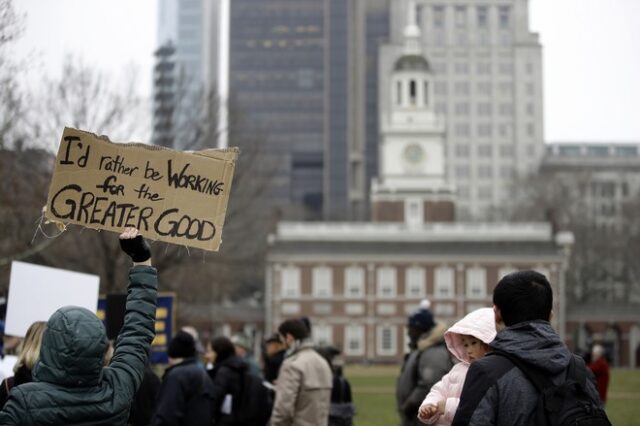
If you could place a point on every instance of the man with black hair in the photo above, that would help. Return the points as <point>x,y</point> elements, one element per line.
<point>303,387</point>
<point>497,391</point>
<point>425,364</point>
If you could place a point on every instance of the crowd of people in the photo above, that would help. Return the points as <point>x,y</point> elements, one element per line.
<point>503,365</point>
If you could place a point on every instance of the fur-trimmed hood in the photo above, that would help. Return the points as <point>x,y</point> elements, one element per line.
<point>480,324</point>
<point>433,337</point>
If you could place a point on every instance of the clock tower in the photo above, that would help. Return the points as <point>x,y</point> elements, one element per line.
<point>411,186</point>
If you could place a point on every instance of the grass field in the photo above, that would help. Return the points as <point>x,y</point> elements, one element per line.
<point>374,397</point>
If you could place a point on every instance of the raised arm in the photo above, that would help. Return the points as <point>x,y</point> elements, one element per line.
<point>134,340</point>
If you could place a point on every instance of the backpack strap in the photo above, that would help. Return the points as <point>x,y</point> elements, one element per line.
<point>538,378</point>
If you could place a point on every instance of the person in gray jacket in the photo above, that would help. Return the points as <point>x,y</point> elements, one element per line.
<point>424,366</point>
<point>303,387</point>
<point>496,391</point>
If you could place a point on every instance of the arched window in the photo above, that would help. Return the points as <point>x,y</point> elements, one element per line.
<point>425,92</point>
<point>413,89</point>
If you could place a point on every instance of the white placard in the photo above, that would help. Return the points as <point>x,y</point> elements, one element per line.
<point>36,292</point>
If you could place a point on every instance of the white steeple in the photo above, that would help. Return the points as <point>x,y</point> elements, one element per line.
<point>412,31</point>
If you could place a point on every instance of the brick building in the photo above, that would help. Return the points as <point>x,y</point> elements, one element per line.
<point>358,281</point>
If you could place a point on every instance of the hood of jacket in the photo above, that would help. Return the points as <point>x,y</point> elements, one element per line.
<point>480,324</point>
<point>535,343</point>
<point>234,362</point>
<point>73,348</point>
<point>433,337</point>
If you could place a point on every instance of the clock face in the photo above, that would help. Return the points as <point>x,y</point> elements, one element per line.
<point>414,154</point>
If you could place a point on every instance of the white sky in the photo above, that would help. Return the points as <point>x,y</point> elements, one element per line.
<point>591,55</point>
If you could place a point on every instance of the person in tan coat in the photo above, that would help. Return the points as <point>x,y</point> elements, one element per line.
<point>303,387</point>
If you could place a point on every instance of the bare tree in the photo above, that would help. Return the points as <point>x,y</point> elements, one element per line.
<point>85,99</point>
<point>600,262</point>
<point>12,97</point>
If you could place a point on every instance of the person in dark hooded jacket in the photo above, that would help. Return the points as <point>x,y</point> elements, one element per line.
<point>227,375</point>
<point>71,385</point>
<point>186,393</point>
<point>424,366</point>
<point>495,391</point>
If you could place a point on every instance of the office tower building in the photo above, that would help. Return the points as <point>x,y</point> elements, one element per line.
<point>487,69</point>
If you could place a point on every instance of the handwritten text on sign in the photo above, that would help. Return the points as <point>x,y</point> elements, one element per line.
<point>177,197</point>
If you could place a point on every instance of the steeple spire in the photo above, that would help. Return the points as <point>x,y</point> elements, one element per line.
<point>412,31</point>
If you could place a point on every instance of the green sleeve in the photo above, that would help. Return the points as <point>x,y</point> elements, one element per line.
<point>134,340</point>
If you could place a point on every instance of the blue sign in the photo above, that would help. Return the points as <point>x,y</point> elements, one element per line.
<point>165,323</point>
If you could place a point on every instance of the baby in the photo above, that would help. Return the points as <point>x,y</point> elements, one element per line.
<point>468,340</point>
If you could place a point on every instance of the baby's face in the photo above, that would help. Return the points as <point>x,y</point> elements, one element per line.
<point>474,348</point>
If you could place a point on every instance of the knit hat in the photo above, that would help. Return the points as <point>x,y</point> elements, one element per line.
<point>422,319</point>
<point>182,345</point>
<point>241,340</point>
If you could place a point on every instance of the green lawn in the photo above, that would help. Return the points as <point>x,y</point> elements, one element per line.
<point>373,393</point>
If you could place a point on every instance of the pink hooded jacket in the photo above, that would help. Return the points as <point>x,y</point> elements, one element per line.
<point>479,324</point>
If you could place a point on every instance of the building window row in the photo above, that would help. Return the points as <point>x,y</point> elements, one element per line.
<point>475,279</point>
<point>481,17</point>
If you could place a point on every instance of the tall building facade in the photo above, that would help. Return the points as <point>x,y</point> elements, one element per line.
<point>304,74</point>
<point>185,70</point>
<point>307,74</point>
<point>487,69</point>
<point>605,177</point>
<point>358,282</point>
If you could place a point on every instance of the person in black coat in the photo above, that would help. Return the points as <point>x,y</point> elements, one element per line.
<point>227,376</point>
<point>273,357</point>
<point>186,393</point>
<point>144,403</point>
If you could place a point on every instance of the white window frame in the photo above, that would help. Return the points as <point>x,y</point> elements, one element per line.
<point>505,270</point>
<point>386,279</point>
<point>354,277</point>
<point>322,334</point>
<point>290,308</point>
<point>393,340</point>
<point>415,279</point>
<point>322,308</point>
<point>386,309</point>
<point>444,310</point>
<point>414,212</point>
<point>354,332</point>
<point>476,283</point>
<point>444,278</point>
<point>322,282</point>
<point>354,309</point>
<point>290,286</point>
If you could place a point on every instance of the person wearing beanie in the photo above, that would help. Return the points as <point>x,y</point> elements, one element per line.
<point>273,357</point>
<point>242,346</point>
<point>186,393</point>
<point>425,364</point>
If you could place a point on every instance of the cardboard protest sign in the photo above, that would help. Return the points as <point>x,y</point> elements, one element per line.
<point>36,292</point>
<point>177,197</point>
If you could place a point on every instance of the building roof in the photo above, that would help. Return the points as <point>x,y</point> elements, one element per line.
<point>398,240</point>
<point>412,63</point>
<point>600,156</point>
